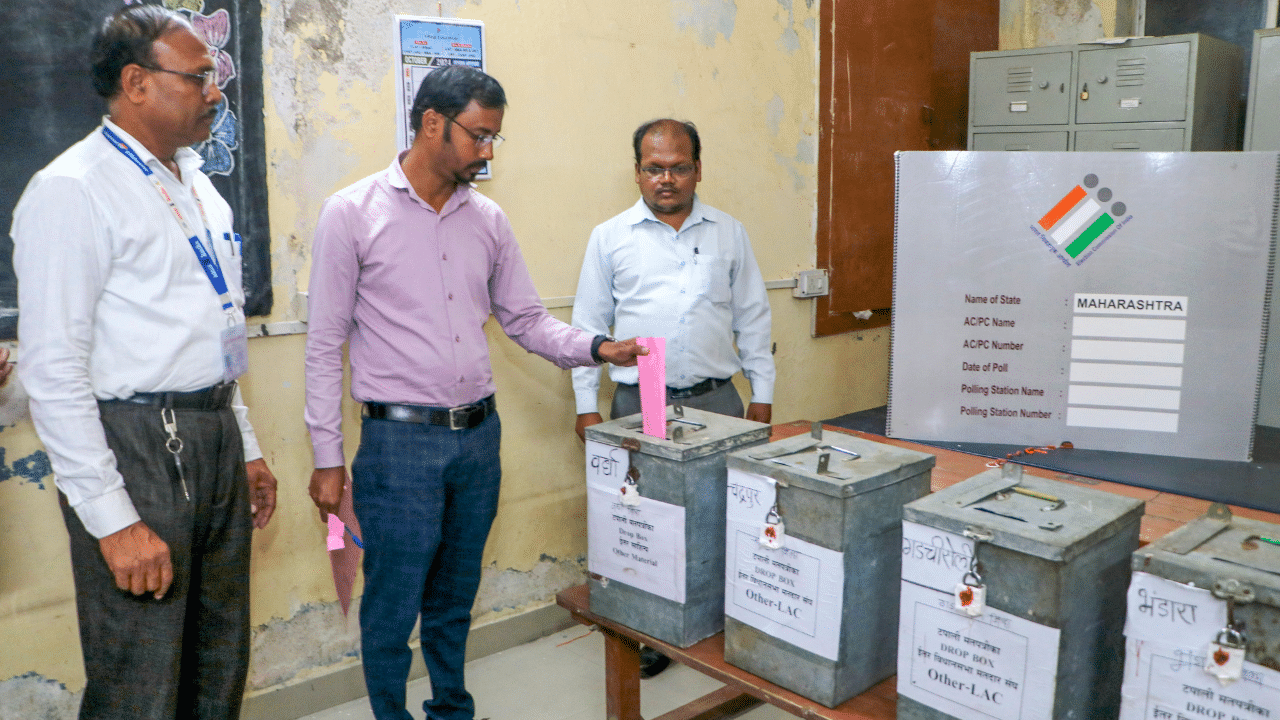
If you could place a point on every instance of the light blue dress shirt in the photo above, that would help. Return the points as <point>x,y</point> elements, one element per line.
<point>699,288</point>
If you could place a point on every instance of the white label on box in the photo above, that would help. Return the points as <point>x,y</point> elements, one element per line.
<point>1018,106</point>
<point>643,545</point>
<point>992,666</point>
<point>1164,682</point>
<point>1160,609</point>
<point>794,593</point>
<point>1130,103</point>
<point>934,558</point>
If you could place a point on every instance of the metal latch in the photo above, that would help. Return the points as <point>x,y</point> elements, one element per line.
<point>1233,591</point>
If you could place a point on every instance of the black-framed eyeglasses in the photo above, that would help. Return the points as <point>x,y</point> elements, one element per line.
<point>207,79</point>
<point>481,140</point>
<point>679,171</point>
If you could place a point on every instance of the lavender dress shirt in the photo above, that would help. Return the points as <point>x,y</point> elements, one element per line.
<point>410,290</point>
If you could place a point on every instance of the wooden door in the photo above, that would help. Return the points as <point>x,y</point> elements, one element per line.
<point>894,75</point>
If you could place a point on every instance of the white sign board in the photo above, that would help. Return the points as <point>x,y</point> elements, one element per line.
<point>794,593</point>
<point>1041,297</point>
<point>640,545</point>
<point>424,44</point>
<point>995,665</point>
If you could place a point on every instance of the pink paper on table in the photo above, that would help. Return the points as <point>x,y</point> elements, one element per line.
<point>346,559</point>
<point>653,386</point>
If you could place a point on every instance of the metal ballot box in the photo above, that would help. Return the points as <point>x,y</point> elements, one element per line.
<point>1202,596</point>
<point>1013,596</point>
<point>812,567</point>
<point>656,511</point>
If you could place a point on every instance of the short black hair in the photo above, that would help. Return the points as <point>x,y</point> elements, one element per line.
<point>448,91</point>
<point>689,128</point>
<point>124,38</point>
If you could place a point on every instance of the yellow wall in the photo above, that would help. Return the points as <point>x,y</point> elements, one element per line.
<point>1041,23</point>
<point>579,77</point>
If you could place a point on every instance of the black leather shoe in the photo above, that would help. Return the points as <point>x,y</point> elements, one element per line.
<point>652,662</point>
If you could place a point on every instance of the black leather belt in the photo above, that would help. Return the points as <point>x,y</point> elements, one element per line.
<point>701,388</point>
<point>463,417</point>
<point>216,397</point>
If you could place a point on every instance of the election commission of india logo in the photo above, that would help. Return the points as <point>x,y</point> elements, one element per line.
<point>1080,223</point>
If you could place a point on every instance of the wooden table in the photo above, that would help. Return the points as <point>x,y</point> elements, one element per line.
<point>1164,513</point>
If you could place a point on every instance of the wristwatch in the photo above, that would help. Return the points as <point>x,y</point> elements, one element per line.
<point>595,347</point>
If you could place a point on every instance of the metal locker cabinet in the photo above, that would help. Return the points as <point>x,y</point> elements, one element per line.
<point>1262,128</point>
<point>1040,141</point>
<point>1030,88</point>
<point>1145,83</point>
<point>1132,140</point>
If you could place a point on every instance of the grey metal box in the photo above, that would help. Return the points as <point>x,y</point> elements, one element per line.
<point>1184,89</point>
<point>688,471</point>
<point>1073,578</point>
<point>1209,551</point>
<point>856,510</point>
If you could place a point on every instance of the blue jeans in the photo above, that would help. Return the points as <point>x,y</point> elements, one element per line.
<point>425,497</point>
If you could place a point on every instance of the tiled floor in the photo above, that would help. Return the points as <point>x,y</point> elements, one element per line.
<point>560,677</point>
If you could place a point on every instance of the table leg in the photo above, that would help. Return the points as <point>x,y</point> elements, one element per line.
<point>622,676</point>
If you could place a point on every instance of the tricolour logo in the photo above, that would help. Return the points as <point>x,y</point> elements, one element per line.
<point>1079,219</point>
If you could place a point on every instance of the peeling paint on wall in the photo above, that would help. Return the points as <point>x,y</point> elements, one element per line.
<point>807,150</point>
<point>317,636</point>
<point>33,469</point>
<point>773,114</point>
<point>32,697</point>
<point>504,591</point>
<point>706,17</point>
<point>790,165</point>
<point>789,41</point>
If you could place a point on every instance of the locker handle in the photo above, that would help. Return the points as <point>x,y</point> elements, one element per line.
<point>1126,146</point>
<point>1017,147</point>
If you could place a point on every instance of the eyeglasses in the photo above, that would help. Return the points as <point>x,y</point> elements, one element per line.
<point>679,171</point>
<point>481,140</point>
<point>207,79</point>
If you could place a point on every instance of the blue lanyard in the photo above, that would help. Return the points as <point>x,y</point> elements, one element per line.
<point>208,260</point>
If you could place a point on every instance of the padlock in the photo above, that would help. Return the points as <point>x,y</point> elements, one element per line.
<point>774,530</point>
<point>971,594</point>
<point>1225,657</point>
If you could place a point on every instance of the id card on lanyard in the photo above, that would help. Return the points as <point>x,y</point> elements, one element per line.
<point>234,338</point>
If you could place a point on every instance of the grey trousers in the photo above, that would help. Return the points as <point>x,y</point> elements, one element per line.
<point>186,655</point>
<point>724,400</point>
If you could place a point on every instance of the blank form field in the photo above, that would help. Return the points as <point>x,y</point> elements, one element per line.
<point>1160,375</point>
<point>1122,419</point>
<point>1127,351</point>
<point>1131,328</point>
<point>1149,398</point>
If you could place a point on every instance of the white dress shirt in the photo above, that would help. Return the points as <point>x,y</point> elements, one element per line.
<point>699,288</point>
<point>112,301</point>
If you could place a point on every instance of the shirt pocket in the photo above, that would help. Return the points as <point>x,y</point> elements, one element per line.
<point>713,281</point>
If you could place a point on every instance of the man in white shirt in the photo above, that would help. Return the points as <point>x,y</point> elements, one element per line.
<point>670,266</point>
<point>132,329</point>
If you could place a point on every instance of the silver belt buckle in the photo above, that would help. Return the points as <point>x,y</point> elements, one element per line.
<point>458,417</point>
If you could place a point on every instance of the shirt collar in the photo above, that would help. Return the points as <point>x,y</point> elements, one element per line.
<point>397,179</point>
<point>640,212</point>
<point>188,160</point>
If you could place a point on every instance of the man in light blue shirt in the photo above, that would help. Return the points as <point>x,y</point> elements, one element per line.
<point>672,267</point>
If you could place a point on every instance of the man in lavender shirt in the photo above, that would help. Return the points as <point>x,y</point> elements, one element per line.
<point>407,266</point>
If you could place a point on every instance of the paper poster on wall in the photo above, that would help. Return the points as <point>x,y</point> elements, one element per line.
<point>424,44</point>
<point>795,592</point>
<point>1164,682</point>
<point>641,545</point>
<point>1043,297</point>
<point>995,665</point>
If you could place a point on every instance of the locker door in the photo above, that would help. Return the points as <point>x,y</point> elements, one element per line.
<point>1020,141</point>
<point>1025,89</point>
<point>1164,140</point>
<point>1264,102</point>
<point>1147,83</point>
